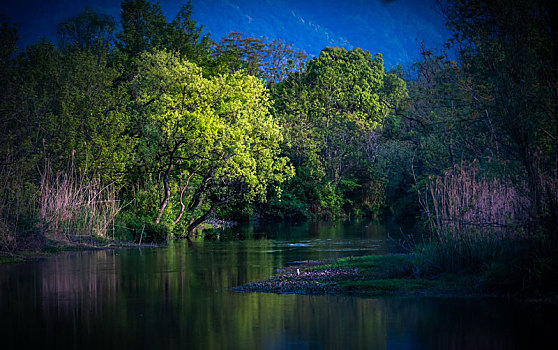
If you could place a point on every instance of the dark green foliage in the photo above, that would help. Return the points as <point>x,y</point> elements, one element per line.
<point>87,31</point>
<point>143,27</point>
<point>333,114</point>
<point>143,228</point>
<point>494,112</point>
<point>8,41</point>
<point>509,50</point>
<point>187,38</point>
<point>288,206</point>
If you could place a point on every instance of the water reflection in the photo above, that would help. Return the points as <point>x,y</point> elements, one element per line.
<point>180,297</point>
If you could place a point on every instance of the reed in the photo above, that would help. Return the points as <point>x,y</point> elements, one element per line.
<point>73,206</point>
<point>474,220</point>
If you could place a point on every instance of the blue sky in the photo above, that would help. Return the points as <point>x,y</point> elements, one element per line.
<point>395,28</point>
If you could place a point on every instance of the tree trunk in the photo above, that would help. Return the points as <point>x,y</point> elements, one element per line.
<point>165,201</point>
<point>182,205</point>
<point>202,218</point>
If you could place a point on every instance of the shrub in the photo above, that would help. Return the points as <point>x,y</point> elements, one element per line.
<point>141,229</point>
<point>18,211</point>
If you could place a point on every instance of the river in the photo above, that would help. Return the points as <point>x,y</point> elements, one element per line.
<point>180,297</point>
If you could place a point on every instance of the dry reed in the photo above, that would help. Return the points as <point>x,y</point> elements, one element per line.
<point>71,205</point>
<point>474,219</point>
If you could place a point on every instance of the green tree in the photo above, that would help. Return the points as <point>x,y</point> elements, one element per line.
<point>87,31</point>
<point>143,27</point>
<point>242,53</point>
<point>66,106</point>
<point>187,37</point>
<point>210,140</point>
<point>90,121</point>
<point>30,96</point>
<point>281,61</point>
<point>343,89</point>
<point>333,112</point>
<point>426,131</point>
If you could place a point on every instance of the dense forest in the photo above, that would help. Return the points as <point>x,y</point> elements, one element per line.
<point>147,129</point>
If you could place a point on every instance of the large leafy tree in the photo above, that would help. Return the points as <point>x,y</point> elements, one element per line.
<point>344,88</point>
<point>333,111</point>
<point>207,140</point>
<point>68,107</point>
<point>144,27</point>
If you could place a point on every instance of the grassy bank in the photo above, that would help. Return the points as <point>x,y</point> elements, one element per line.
<point>380,275</point>
<point>371,275</point>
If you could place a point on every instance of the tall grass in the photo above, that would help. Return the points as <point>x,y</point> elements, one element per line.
<point>72,205</point>
<point>475,221</point>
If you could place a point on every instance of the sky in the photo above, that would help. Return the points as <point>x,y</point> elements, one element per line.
<point>394,28</point>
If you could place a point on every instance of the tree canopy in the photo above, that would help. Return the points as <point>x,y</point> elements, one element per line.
<point>212,137</point>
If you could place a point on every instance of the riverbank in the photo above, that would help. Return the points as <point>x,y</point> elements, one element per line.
<point>376,275</point>
<point>36,246</point>
<point>51,248</point>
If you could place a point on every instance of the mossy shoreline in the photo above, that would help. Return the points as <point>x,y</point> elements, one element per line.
<point>377,276</point>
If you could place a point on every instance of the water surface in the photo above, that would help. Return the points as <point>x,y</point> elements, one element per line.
<point>180,297</point>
